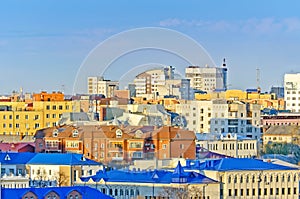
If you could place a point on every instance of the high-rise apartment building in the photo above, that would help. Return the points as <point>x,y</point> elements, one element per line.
<point>292,92</point>
<point>98,85</point>
<point>207,78</point>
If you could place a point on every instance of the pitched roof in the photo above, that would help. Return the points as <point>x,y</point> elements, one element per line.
<point>283,130</point>
<point>15,146</point>
<point>15,158</point>
<point>153,176</point>
<point>87,192</point>
<point>238,164</point>
<point>61,159</point>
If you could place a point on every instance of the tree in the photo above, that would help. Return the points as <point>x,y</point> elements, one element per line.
<point>40,177</point>
<point>61,178</point>
<point>182,192</point>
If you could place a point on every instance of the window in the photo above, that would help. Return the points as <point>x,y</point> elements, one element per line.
<point>60,107</point>
<point>53,115</point>
<point>17,117</point>
<point>47,107</point>
<point>47,115</point>
<point>54,107</point>
<point>282,191</point>
<point>271,191</point>
<point>17,125</point>
<point>277,191</point>
<point>253,192</point>
<point>26,117</point>
<point>229,192</point>
<point>164,146</point>
<point>289,191</point>
<point>181,146</point>
<point>247,192</point>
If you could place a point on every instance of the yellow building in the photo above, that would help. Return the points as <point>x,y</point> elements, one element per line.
<point>264,99</point>
<point>25,118</point>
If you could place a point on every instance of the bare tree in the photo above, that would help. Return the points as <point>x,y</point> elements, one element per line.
<point>41,177</point>
<point>61,178</point>
<point>182,192</point>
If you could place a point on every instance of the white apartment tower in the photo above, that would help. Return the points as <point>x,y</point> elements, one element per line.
<point>207,78</point>
<point>292,92</point>
<point>98,85</point>
<point>153,83</point>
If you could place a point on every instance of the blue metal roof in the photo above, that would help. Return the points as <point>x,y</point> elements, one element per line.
<point>15,158</point>
<point>61,159</point>
<point>238,164</point>
<point>86,192</point>
<point>154,176</point>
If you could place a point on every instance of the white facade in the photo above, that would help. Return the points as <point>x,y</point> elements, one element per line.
<point>229,144</point>
<point>207,78</point>
<point>197,114</point>
<point>292,92</point>
<point>236,117</point>
<point>97,85</point>
<point>262,184</point>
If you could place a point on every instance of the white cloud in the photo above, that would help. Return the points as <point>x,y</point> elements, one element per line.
<point>257,26</point>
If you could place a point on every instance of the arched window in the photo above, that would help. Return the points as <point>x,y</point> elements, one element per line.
<point>289,178</point>
<point>247,179</point>
<point>131,192</point>
<point>116,192</point>
<point>235,179</point>
<point>271,178</point>
<point>229,179</point>
<point>253,179</point>
<point>53,195</point>
<point>277,178</point>
<point>74,195</point>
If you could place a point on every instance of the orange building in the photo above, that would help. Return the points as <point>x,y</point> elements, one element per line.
<point>44,96</point>
<point>118,143</point>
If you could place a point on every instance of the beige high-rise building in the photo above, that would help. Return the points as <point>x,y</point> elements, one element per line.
<point>98,85</point>
<point>207,78</point>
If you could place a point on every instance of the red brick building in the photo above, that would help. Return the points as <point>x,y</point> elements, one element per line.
<point>118,143</point>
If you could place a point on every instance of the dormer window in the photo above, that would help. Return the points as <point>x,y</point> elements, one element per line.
<point>75,133</point>
<point>55,133</point>
<point>138,134</point>
<point>7,157</point>
<point>119,133</point>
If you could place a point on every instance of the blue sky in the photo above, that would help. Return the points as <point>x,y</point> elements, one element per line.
<point>43,43</point>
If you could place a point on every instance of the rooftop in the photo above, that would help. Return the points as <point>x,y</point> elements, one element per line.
<point>61,159</point>
<point>238,164</point>
<point>63,192</point>
<point>151,176</point>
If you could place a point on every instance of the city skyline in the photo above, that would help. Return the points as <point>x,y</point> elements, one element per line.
<point>42,45</point>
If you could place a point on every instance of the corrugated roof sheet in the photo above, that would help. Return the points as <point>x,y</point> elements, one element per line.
<point>61,159</point>
<point>153,176</point>
<point>86,192</point>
